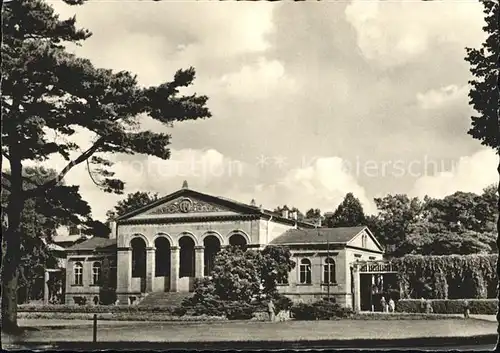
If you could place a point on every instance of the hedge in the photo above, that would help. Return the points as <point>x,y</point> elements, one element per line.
<point>145,316</point>
<point>94,309</point>
<point>449,306</point>
<point>400,316</point>
<point>320,310</point>
<point>445,277</point>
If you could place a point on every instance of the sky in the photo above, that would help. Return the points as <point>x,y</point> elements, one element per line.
<point>310,101</point>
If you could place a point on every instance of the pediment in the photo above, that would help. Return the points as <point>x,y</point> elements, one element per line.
<point>188,203</point>
<point>371,241</point>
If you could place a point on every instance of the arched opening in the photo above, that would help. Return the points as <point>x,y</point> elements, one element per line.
<point>238,240</point>
<point>212,247</point>
<point>162,257</point>
<point>329,271</point>
<point>138,257</point>
<point>186,261</point>
<point>305,271</point>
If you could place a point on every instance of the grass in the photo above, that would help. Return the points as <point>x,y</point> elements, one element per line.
<point>266,331</point>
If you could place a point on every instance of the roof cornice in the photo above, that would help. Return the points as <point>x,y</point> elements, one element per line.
<point>198,218</point>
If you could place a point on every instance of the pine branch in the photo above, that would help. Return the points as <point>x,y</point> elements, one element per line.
<point>53,182</point>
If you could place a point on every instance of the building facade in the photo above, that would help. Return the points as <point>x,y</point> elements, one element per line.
<point>164,246</point>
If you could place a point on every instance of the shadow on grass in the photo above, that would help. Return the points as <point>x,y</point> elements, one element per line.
<point>415,343</point>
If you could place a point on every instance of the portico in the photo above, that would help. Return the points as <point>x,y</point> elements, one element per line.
<point>164,246</point>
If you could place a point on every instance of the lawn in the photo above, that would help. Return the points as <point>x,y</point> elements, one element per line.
<point>265,331</point>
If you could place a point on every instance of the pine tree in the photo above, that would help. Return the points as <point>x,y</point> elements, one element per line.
<point>47,92</point>
<point>348,214</point>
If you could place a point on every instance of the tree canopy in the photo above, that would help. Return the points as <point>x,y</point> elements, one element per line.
<point>50,94</point>
<point>461,223</point>
<point>40,218</point>
<point>348,214</point>
<point>131,202</point>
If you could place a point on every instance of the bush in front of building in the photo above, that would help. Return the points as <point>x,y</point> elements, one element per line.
<point>320,310</point>
<point>282,303</point>
<point>449,306</point>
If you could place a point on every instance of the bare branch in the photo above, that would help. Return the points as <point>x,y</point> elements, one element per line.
<point>53,182</point>
<point>90,174</point>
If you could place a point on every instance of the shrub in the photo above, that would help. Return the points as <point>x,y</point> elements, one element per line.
<point>450,306</point>
<point>303,311</point>
<point>80,300</point>
<point>320,310</point>
<point>282,303</point>
<point>107,297</point>
<point>238,311</point>
<point>179,311</point>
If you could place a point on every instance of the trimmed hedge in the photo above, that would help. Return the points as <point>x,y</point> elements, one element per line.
<point>400,316</point>
<point>95,309</point>
<point>320,310</point>
<point>449,306</point>
<point>145,316</point>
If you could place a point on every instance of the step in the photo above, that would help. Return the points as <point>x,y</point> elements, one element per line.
<point>164,299</point>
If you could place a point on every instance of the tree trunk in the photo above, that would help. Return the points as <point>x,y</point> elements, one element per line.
<point>12,238</point>
<point>498,243</point>
<point>10,268</point>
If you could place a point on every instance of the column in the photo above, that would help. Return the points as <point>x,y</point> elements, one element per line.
<point>46,278</point>
<point>199,263</point>
<point>174,268</point>
<point>150,268</point>
<point>123,274</point>
<point>357,289</point>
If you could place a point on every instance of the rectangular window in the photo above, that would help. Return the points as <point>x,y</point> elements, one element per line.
<point>305,274</point>
<point>78,275</point>
<point>96,275</point>
<point>282,281</point>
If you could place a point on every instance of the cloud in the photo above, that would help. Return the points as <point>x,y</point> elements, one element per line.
<point>321,184</point>
<point>397,32</point>
<point>261,80</point>
<point>155,39</point>
<point>436,98</point>
<point>470,174</point>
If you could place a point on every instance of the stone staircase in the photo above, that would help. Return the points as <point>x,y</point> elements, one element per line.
<point>164,299</point>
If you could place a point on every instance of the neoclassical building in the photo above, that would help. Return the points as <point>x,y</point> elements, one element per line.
<point>165,245</point>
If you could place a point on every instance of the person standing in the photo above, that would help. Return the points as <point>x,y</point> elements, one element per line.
<point>383,304</point>
<point>392,305</point>
<point>270,309</point>
<point>466,309</point>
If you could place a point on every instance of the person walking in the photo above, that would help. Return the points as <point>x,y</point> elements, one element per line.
<point>270,309</point>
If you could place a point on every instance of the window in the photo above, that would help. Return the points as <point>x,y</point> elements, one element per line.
<point>282,280</point>
<point>329,271</point>
<point>96,273</point>
<point>364,239</point>
<point>305,271</point>
<point>78,272</point>
<point>74,230</point>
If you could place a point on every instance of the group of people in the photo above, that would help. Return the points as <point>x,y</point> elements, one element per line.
<point>387,307</point>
